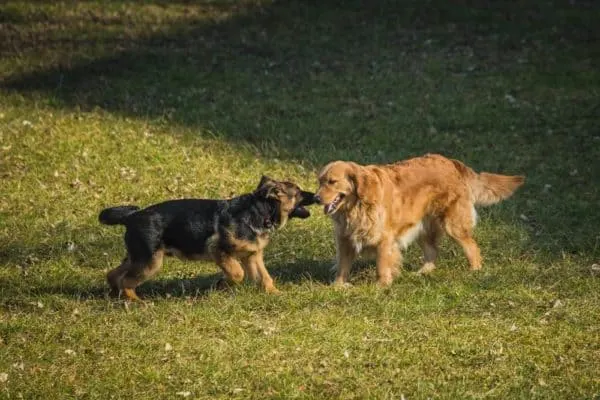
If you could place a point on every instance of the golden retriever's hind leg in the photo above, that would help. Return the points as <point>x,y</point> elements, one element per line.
<point>429,242</point>
<point>472,252</point>
<point>458,223</point>
<point>388,262</point>
<point>345,254</point>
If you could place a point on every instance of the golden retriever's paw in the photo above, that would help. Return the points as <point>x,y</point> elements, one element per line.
<point>476,267</point>
<point>426,269</point>
<point>384,283</point>
<point>339,284</point>
<point>272,290</point>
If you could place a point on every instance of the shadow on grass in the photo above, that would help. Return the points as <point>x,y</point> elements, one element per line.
<point>29,256</point>
<point>369,80</point>
<point>196,287</point>
<point>504,88</point>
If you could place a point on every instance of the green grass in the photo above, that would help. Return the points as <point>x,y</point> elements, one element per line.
<point>110,102</point>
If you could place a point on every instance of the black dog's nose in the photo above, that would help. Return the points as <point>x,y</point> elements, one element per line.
<point>317,198</point>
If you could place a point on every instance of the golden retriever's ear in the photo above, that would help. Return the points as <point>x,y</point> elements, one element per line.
<point>366,184</point>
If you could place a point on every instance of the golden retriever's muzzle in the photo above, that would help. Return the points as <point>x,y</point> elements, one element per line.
<point>332,206</point>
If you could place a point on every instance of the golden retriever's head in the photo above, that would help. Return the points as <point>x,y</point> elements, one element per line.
<point>342,183</point>
<point>335,185</point>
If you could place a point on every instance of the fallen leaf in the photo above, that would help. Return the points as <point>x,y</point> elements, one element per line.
<point>557,303</point>
<point>524,217</point>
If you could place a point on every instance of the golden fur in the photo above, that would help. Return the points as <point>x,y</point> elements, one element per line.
<point>384,208</point>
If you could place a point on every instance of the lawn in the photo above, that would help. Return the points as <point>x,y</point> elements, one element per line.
<point>113,102</point>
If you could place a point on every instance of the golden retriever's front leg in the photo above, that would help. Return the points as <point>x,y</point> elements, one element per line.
<point>388,262</point>
<point>344,258</point>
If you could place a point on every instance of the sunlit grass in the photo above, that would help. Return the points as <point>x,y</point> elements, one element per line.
<point>112,102</point>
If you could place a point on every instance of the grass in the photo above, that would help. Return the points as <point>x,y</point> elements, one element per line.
<point>110,102</point>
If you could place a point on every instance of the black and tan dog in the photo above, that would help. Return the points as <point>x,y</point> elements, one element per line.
<point>233,233</point>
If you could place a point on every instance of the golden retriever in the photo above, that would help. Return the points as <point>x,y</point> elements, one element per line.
<point>383,208</point>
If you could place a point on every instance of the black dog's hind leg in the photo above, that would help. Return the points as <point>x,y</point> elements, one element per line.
<point>115,276</point>
<point>144,259</point>
<point>138,272</point>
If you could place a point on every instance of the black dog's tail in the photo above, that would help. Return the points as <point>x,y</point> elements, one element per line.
<point>116,215</point>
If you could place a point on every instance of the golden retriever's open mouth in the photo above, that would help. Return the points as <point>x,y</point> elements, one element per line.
<point>332,207</point>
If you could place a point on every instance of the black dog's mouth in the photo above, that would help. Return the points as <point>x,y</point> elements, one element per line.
<point>300,211</point>
<point>333,205</point>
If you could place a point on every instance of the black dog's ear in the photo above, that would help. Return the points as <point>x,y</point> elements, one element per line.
<point>264,180</point>
<point>267,187</point>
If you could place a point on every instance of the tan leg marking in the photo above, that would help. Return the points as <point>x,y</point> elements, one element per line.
<point>265,278</point>
<point>231,267</point>
<point>136,273</point>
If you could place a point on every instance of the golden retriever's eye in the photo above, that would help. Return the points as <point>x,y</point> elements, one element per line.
<point>332,181</point>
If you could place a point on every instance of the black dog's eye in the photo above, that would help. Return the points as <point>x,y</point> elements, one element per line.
<point>332,181</point>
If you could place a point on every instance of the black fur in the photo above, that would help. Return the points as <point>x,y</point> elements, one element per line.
<point>186,224</point>
<point>184,227</point>
<point>116,215</point>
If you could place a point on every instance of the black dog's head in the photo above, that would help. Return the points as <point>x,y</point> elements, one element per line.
<point>290,198</point>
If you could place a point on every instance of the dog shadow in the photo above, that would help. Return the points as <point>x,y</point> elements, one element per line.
<point>297,272</point>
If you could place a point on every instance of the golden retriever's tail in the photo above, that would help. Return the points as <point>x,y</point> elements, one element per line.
<point>488,189</point>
